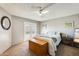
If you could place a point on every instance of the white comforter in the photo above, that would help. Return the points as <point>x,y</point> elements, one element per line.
<point>52,44</point>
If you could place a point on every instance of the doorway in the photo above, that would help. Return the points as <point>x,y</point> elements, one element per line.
<point>30,30</point>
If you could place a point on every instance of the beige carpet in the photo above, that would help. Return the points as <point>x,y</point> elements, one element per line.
<point>23,50</point>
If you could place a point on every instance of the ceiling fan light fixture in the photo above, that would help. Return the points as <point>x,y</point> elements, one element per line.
<point>40,14</point>
<point>44,12</point>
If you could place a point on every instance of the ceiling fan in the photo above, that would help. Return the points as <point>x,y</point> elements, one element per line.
<point>42,10</point>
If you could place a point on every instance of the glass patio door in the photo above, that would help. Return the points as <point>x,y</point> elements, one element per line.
<point>29,30</point>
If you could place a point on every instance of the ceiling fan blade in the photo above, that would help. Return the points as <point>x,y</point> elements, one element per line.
<point>35,7</point>
<point>50,4</point>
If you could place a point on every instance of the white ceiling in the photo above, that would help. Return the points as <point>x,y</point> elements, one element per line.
<point>27,10</point>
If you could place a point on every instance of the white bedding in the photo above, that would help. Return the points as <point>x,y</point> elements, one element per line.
<point>53,45</point>
<point>58,39</point>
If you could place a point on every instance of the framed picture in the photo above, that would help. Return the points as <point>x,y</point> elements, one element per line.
<point>68,25</point>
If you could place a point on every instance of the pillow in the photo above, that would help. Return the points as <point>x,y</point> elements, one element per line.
<point>50,34</point>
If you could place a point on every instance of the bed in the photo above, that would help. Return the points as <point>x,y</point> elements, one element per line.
<point>53,41</point>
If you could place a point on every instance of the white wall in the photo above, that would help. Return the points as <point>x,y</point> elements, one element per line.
<point>58,25</point>
<point>18,29</point>
<point>5,35</point>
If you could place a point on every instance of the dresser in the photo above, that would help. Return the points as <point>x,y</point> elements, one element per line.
<point>38,47</point>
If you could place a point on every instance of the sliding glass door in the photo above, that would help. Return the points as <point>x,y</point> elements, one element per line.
<point>30,30</point>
